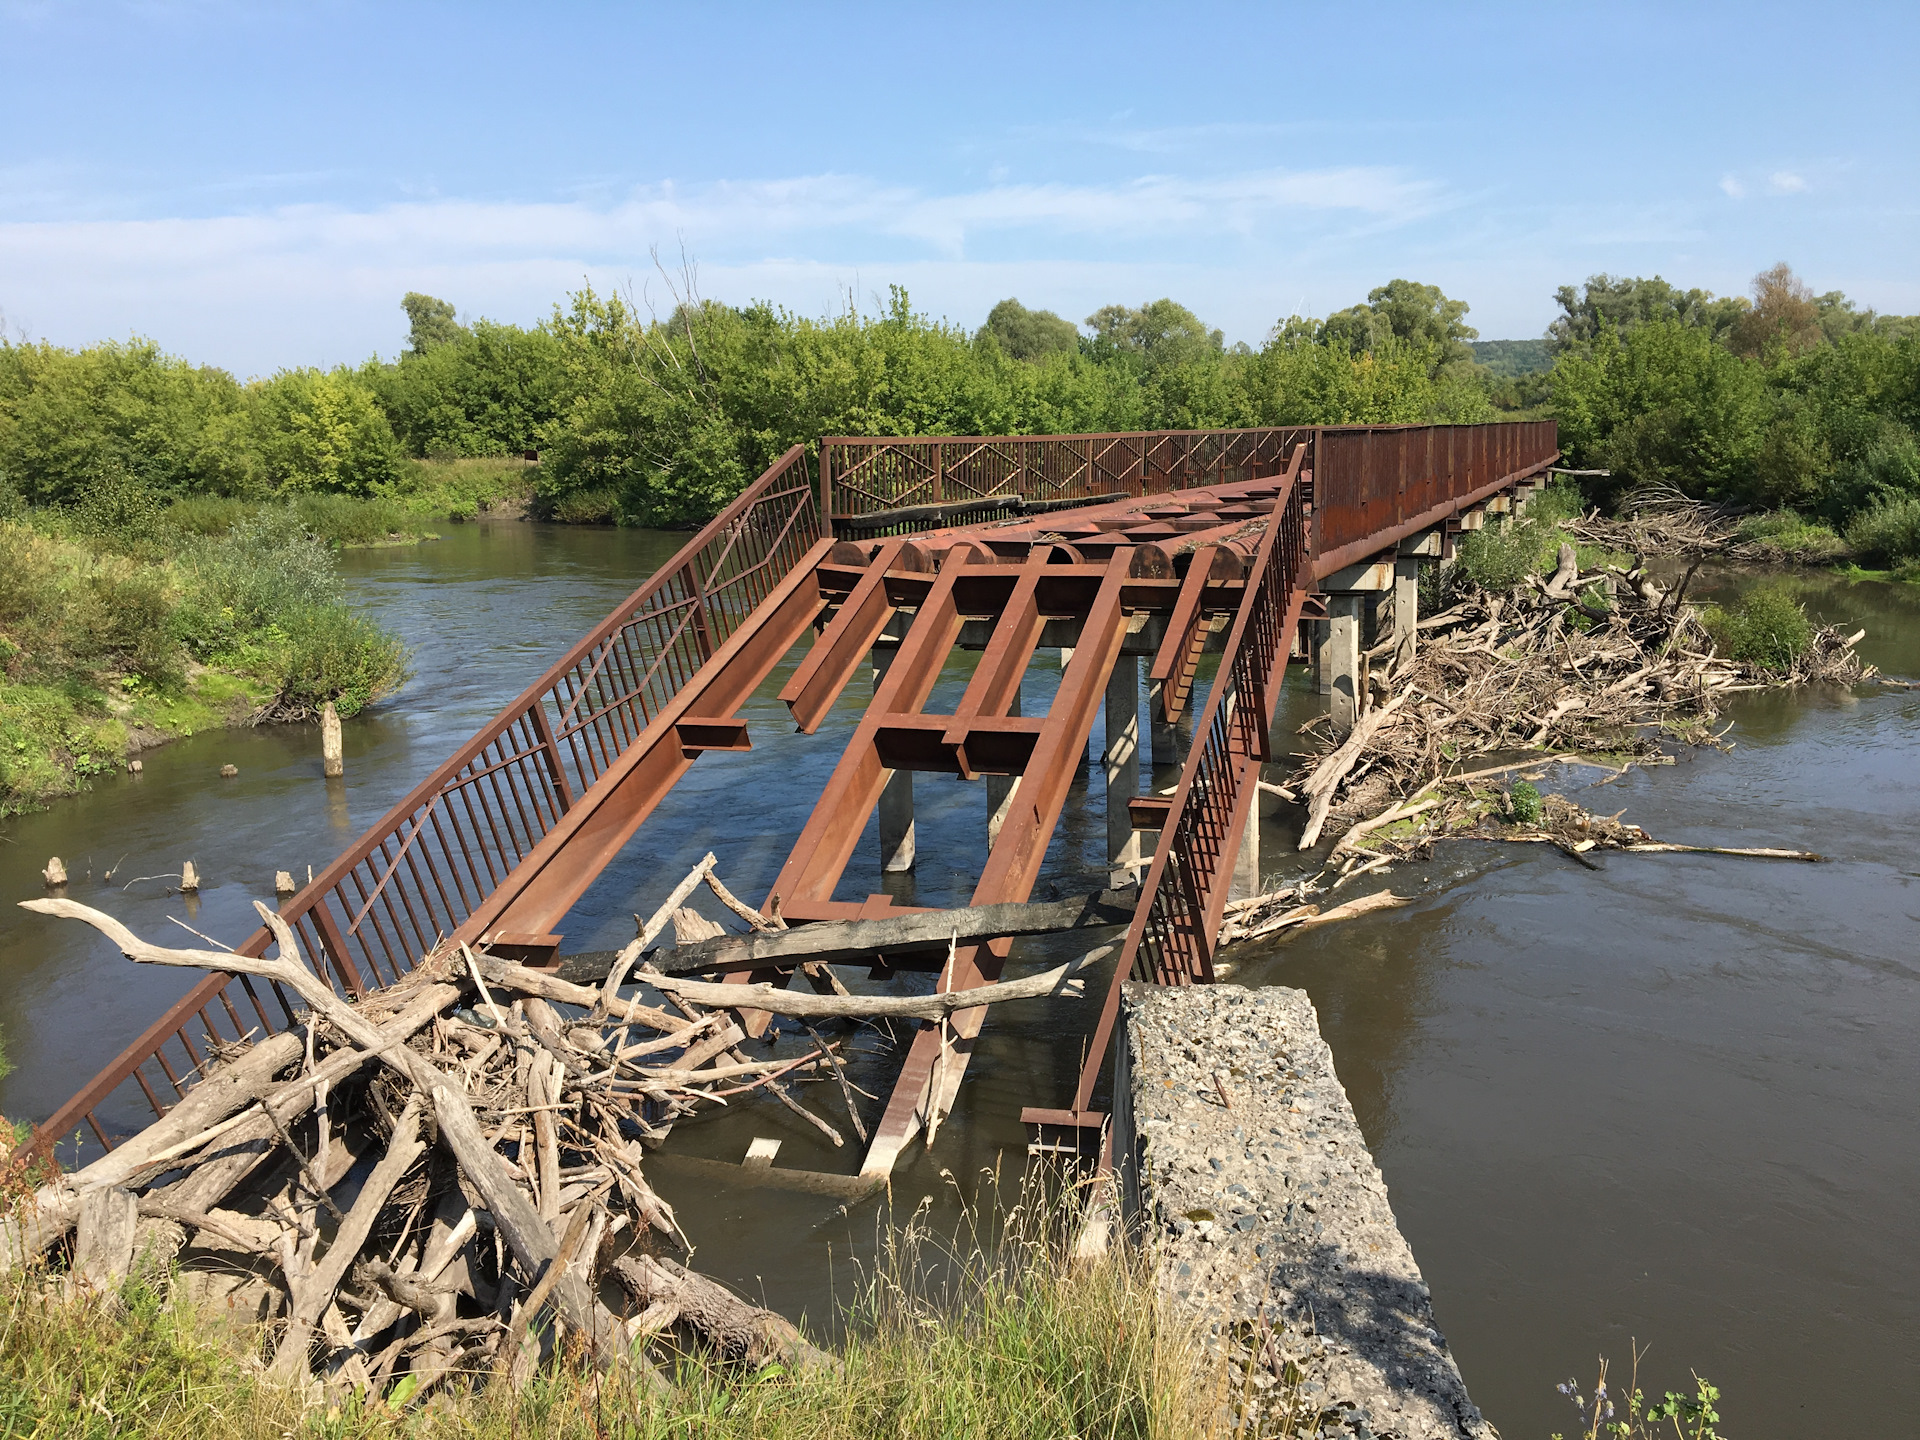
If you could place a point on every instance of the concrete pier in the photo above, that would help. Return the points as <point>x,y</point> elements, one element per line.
<point>1000,790</point>
<point>1121,763</point>
<point>896,800</point>
<point>1239,1157</point>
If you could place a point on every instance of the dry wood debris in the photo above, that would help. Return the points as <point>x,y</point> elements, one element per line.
<point>490,1124</point>
<point>1602,661</point>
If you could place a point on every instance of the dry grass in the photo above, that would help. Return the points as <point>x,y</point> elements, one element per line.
<point>964,1336</point>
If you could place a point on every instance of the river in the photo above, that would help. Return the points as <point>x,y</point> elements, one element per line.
<point>1673,1101</point>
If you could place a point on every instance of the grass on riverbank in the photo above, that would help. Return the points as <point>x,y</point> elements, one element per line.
<point>119,634</point>
<point>1022,1342</point>
<point>430,492</point>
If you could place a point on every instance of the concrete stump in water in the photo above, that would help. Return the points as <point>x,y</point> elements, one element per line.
<point>331,762</point>
<point>189,879</point>
<point>55,874</point>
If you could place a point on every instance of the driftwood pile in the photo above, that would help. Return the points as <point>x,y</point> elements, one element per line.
<point>1604,660</point>
<point>489,1123</point>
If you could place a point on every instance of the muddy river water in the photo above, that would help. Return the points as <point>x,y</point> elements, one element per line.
<point>1671,1101</point>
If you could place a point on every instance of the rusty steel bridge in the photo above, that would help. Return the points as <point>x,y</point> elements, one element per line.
<point>1121,549</point>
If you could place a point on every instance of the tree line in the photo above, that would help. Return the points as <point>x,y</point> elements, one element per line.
<point>1781,398</point>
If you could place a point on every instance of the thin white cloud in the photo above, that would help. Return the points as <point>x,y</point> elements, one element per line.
<point>1733,187</point>
<point>1785,182</point>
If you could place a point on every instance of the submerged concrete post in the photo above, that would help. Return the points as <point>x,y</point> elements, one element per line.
<point>1342,659</point>
<point>1000,790</point>
<point>1406,608</point>
<point>1322,658</point>
<point>896,799</point>
<point>1246,865</point>
<point>1166,740</point>
<point>1123,769</point>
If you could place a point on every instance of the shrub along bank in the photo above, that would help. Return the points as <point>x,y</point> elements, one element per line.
<point>120,630</point>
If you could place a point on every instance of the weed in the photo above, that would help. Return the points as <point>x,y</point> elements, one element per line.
<point>1525,802</point>
<point>1767,628</point>
<point>1888,532</point>
<point>1788,535</point>
<point>1631,1416</point>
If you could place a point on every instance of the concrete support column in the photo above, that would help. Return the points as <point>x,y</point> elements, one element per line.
<point>1000,790</point>
<point>1246,865</point>
<point>1123,769</point>
<point>1342,659</point>
<point>1406,608</point>
<point>896,799</point>
<point>1166,741</point>
<point>1322,657</point>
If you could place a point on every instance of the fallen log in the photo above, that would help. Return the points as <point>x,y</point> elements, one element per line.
<point>912,1007</point>
<point>740,1332</point>
<point>1748,852</point>
<point>859,941</point>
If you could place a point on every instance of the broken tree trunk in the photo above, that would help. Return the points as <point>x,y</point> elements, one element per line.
<point>859,941</point>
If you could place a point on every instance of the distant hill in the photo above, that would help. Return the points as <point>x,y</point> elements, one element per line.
<point>1507,358</point>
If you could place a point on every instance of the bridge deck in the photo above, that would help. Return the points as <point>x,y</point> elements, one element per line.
<point>1180,536</point>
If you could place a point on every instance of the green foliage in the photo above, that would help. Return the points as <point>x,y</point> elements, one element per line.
<point>1015,1342</point>
<point>69,419</point>
<point>430,322</point>
<point>1160,333</point>
<point>1888,532</point>
<point>1510,359</point>
<point>323,430</point>
<point>1623,304</point>
<point>1661,404</point>
<point>1787,535</point>
<point>1029,334</point>
<point>1497,558</point>
<point>484,391</point>
<point>92,638</point>
<point>1524,800</point>
<point>1418,315</point>
<point>1629,1415</point>
<point>1767,628</point>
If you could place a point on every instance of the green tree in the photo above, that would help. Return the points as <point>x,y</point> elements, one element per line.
<point>1029,334</point>
<point>430,322</point>
<point>121,409</point>
<point>1622,303</point>
<point>1160,332</point>
<point>323,430</point>
<point>487,392</point>
<point>1420,315</point>
<point>1662,403</point>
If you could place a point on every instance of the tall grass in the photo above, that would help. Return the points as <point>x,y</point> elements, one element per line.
<point>958,1339</point>
<point>1889,532</point>
<point>102,628</point>
<point>1767,627</point>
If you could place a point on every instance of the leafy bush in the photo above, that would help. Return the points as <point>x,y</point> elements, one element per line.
<point>1787,535</point>
<point>323,430</point>
<point>1525,801</point>
<point>1888,532</point>
<point>1767,628</point>
<point>321,653</point>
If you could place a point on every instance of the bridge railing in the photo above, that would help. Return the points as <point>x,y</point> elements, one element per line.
<point>1380,481</point>
<point>868,476</point>
<point>417,876</point>
<point>1170,941</point>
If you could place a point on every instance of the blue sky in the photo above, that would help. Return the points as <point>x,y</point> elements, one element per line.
<point>255,185</point>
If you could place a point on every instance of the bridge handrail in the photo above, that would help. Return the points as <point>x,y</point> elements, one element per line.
<point>862,475</point>
<point>434,858</point>
<point>1382,481</point>
<point>1184,892</point>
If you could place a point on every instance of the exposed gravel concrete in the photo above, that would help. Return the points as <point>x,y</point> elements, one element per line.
<point>1272,1220</point>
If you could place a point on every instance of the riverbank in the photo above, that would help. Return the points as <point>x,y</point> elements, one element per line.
<point>119,633</point>
<point>967,1336</point>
